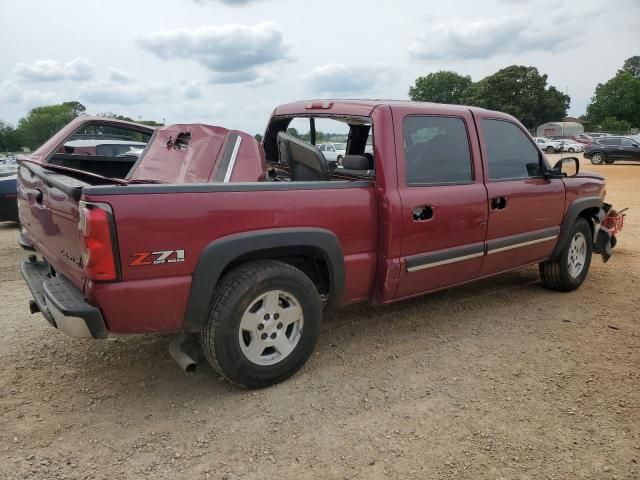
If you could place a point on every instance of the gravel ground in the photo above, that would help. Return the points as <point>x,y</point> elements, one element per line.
<point>500,379</point>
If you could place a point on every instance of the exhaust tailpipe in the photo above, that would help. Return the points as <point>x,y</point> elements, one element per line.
<point>186,362</point>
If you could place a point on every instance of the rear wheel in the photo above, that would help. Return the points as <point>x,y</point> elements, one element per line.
<point>263,324</point>
<point>569,269</point>
<point>597,158</point>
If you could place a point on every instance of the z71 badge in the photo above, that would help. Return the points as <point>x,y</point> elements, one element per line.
<point>156,258</point>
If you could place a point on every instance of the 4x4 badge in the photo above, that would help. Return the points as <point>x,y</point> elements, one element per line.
<point>156,258</point>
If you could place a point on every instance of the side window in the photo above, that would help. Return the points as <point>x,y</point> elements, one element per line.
<point>436,150</point>
<point>625,142</point>
<point>510,152</point>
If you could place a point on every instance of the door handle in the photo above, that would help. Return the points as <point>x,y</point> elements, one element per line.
<point>498,203</point>
<point>423,213</point>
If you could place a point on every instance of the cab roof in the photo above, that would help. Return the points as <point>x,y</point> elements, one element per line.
<point>364,107</point>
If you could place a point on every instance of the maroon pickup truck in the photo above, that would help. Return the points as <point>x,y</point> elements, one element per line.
<point>206,231</point>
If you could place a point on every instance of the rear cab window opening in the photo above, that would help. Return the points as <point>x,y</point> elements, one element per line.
<point>335,138</point>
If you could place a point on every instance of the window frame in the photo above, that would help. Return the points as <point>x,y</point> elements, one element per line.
<point>436,184</point>
<point>541,158</point>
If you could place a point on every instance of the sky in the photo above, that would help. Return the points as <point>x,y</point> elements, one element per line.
<point>230,62</point>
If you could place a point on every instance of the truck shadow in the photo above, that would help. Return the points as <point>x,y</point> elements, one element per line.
<point>142,362</point>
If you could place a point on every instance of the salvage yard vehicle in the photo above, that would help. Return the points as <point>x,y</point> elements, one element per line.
<point>250,245</point>
<point>333,152</point>
<point>8,194</point>
<point>548,145</point>
<point>571,146</point>
<point>609,149</point>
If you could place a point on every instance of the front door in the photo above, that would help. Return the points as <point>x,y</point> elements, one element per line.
<point>525,209</point>
<point>630,150</point>
<point>444,202</point>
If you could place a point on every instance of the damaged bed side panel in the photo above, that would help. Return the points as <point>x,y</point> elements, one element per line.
<point>197,153</point>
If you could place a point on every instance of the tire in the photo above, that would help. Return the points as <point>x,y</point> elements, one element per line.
<point>614,241</point>
<point>597,158</point>
<point>551,150</point>
<point>339,159</point>
<point>571,150</point>
<point>567,272</point>
<point>253,349</point>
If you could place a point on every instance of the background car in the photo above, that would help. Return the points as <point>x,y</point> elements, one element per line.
<point>571,146</point>
<point>579,138</point>
<point>595,135</point>
<point>609,149</point>
<point>548,145</point>
<point>333,152</point>
<point>8,193</point>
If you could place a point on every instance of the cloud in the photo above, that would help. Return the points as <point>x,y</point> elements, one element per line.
<point>232,52</point>
<point>120,76</point>
<point>486,38</point>
<point>233,3</point>
<point>54,71</point>
<point>191,90</point>
<point>10,93</point>
<point>339,79</point>
<point>113,94</point>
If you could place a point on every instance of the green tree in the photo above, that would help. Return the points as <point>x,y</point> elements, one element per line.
<point>8,138</point>
<point>632,66</point>
<point>611,124</point>
<point>522,92</point>
<point>618,98</point>
<point>258,137</point>
<point>293,131</point>
<point>441,87</point>
<point>42,122</point>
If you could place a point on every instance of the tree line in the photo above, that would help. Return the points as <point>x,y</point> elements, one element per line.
<point>43,122</point>
<point>523,92</point>
<point>518,90</point>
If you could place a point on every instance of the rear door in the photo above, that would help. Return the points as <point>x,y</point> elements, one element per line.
<point>444,201</point>
<point>525,209</point>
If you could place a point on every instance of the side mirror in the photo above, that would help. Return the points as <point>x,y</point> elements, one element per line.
<point>567,167</point>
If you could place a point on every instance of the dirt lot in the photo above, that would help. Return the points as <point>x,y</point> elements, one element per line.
<point>501,379</point>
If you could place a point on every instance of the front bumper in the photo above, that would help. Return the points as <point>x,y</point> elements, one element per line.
<point>61,303</point>
<point>601,234</point>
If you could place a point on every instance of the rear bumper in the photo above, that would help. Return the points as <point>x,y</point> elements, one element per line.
<point>61,303</point>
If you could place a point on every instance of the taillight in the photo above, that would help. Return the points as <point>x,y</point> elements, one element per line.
<point>97,236</point>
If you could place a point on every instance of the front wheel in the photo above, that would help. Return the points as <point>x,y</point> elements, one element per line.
<point>571,150</point>
<point>569,269</point>
<point>597,158</point>
<point>263,324</point>
<point>339,160</point>
<point>551,150</point>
